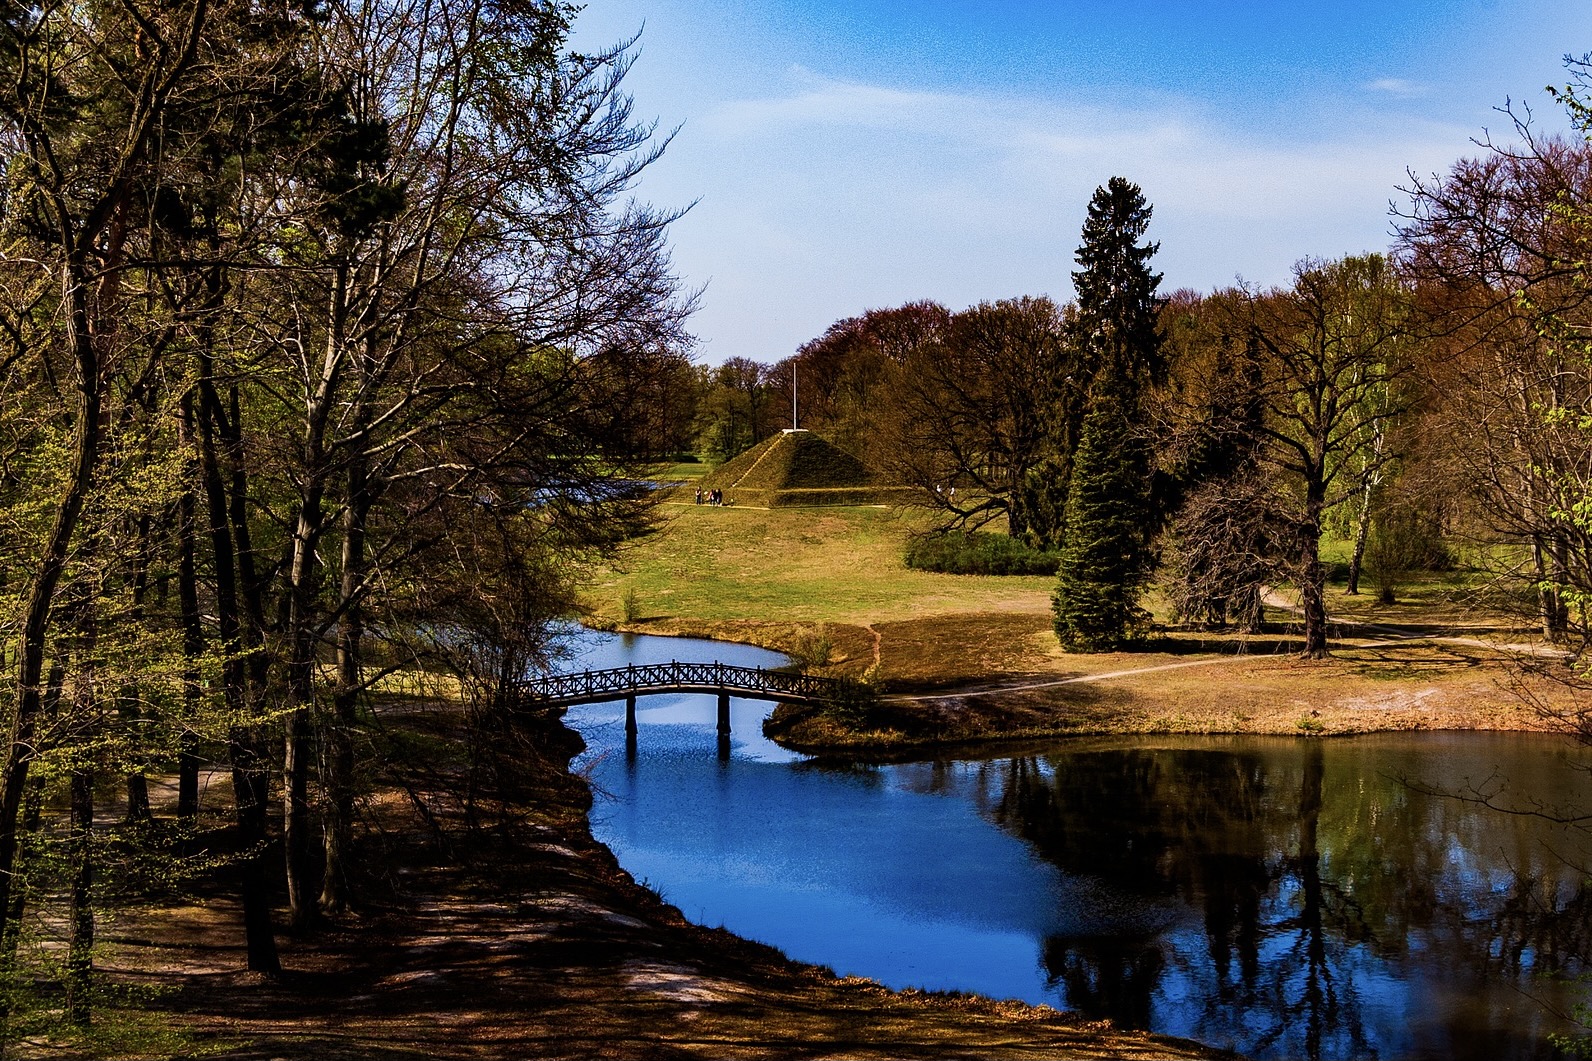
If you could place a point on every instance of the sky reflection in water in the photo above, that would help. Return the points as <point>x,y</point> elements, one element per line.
<point>1282,897</point>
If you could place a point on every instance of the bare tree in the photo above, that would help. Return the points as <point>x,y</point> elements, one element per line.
<point>1333,349</point>
<point>972,410</point>
<point>1496,244</point>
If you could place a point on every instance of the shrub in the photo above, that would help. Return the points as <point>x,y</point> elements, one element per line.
<point>812,649</point>
<point>854,707</point>
<point>977,553</point>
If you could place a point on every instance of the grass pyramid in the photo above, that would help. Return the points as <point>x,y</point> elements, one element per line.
<point>796,468</point>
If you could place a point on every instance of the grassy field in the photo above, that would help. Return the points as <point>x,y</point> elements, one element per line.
<point>973,657</point>
<point>837,565</point>
<point>685,471</point>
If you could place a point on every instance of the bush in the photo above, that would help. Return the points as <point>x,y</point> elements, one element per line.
<point>812,649</point>
<point>977,553</point>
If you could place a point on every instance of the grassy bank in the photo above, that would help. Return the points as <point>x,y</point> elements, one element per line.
<point>969,658</point>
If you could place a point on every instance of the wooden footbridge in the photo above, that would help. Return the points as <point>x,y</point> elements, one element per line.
<point>725,680</point>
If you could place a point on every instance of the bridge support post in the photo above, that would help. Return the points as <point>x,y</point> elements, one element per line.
<point>724,714</point>
<point>630,728</point>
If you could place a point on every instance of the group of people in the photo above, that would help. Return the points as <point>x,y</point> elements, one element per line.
<point>711,497</point>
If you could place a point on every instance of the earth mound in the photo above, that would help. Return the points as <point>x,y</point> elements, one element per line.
<point>799,468</point>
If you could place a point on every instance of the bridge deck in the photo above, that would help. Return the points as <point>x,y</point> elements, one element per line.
<point>618,683</point>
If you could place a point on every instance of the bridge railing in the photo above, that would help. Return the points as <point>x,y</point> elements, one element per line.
<point>616,682</point>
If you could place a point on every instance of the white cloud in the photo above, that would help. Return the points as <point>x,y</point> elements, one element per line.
<point>1396,86</point>
<point>839,196</point>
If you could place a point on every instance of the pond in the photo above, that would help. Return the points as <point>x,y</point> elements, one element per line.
<point>1282,897</point>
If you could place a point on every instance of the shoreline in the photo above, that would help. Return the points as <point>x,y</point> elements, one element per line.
<point>1423,681</point>
<point>522,936</point>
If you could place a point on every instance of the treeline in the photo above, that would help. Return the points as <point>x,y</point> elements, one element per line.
<point>326,331</point>
<point>1403,402</point>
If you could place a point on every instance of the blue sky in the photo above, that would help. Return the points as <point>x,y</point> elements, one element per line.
<point>848,155</point>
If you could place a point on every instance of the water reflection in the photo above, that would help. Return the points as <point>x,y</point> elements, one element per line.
<point>1285,898</point>
<point>1341,913</point>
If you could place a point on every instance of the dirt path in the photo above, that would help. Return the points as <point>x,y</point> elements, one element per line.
<point>1082,679</point>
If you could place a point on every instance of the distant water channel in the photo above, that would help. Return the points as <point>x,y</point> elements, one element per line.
<point>1281,897</point>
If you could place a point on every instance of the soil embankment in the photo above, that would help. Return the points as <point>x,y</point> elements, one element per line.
<point>501,929</point>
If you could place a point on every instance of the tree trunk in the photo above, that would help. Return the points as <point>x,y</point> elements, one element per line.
<point>250,777</point>
<point>304,575</point>
<point>1559,560</point>
<point>301,885</point>
<point>193,640</point>
<point>131,708</point>
<point>1548,566</point>
<point>335,890</point>
<point>31,638</point>
<point>80,949</point>
<point>1362,531</point>
<point>1313,575</point>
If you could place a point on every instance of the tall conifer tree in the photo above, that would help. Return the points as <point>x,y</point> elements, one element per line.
<point>1108,516</point>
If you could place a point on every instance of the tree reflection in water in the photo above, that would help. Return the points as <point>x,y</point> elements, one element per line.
<point>1289,907</point>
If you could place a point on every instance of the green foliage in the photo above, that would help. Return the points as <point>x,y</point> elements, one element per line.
<point>1405,538</point>
<point>1577,1045</point>
<point>1105,559</point>
<point>1039,502</point>
<point>977,553</point>
<point>1107,516</point>
<point>124,1023</point>
<point>856,705</point>
<point>736,408</point>
<point>1115,324</point>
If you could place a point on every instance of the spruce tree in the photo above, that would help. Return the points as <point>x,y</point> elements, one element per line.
<point>1105,557</point>
<point>1108,515</point>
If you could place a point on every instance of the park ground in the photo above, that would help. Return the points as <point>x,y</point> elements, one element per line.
<point>507,931</point>
<point>963,658</point>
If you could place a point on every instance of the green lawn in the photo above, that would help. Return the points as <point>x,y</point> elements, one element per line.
<point>844,564</point>
<point>686,470</point>
<point>796,564</point>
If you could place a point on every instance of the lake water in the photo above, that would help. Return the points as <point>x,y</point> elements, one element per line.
<point>1286,898</point>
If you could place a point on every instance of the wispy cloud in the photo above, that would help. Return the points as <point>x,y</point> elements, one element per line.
<point>1046,149</point>
<point>845,195</point>
<point>821,103</point>
<point>1396,86</point>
